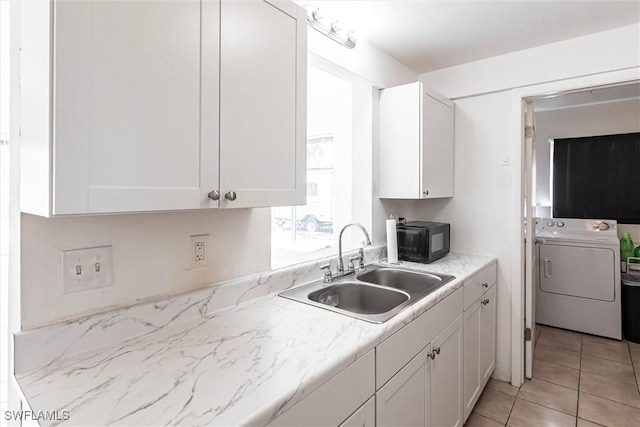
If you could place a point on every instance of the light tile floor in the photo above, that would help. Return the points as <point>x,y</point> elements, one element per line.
<point>578,380</point>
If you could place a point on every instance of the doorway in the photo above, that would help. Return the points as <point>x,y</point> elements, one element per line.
<point>523,303</point>
<point>4,203</point>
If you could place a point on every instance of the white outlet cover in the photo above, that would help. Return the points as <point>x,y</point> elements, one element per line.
<point>89,268</point>
<point>204,253</point>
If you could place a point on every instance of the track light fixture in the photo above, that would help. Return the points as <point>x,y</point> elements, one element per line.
<point>331,29</point>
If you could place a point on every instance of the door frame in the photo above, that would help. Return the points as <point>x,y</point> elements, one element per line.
<point>518,97</point>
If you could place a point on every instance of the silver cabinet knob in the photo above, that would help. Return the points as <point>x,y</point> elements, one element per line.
<point>214,195</point>
<point>230,195</point>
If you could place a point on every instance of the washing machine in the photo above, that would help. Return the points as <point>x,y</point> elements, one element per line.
<point>578,284</point>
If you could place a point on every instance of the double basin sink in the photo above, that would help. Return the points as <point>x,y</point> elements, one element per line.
<point>374,295</point>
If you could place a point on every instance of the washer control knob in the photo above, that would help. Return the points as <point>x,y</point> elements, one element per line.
<point>603,226</point>
<point>549,223</point>
<point>560,224</point>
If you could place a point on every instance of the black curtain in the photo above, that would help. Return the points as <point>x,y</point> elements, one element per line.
<point>597,177</point>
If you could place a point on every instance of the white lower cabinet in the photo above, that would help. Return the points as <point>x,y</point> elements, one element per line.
<point>446,377</point>
<point>404,400</point>
<point>471,383</point>
<point>488,334</point>
<point>365,416</point>
<point>336,401</point>
<point>426,390</point>
<point>479,338</point>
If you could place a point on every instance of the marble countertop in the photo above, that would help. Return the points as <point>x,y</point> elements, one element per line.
<point>243,365</point>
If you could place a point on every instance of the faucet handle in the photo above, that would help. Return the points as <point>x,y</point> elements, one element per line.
<point>328,277</point>
<point>350,266</point>
<point>361,257</point>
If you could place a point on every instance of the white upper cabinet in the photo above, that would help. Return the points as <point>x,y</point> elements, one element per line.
<point>122,105</point>
<point>263,104</point>
<point>416,143</point>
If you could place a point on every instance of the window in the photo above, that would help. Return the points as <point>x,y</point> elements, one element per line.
<point>307,232</point>
<point>597,177</point>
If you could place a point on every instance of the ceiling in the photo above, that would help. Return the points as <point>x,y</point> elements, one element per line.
<point>427,35</point>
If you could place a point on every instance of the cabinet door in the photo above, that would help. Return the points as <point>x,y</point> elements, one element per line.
<point>336,400</point>
<point>437,146</point>
<point>127,104</point>
<point>365,416</point>
<point>446,377</point>
<point>471,332</point>
<point>488,334</point>
<point>262,103</point>
<point>403,401</point>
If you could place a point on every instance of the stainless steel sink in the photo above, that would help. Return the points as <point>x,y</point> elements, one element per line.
<point>359,298</point>
<point>406,280</point>
<point>375,295</point>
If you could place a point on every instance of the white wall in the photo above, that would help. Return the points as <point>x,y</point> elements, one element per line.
<point>149,257</point>
<point>481,204</point>
<point>483,213</point>
<point>586,120</point>
<point>365,60</point>
<point>611,50</point>
<point>149,248</point>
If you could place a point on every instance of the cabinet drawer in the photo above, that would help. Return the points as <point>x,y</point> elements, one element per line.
<point>397,350</point>
<point>478,284</point>
<point>335,400</point>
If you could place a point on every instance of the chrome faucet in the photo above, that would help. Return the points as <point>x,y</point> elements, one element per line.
<point>367,242</point>
<point>328,276</point>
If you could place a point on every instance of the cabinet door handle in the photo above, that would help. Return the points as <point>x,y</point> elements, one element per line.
<point>432,355</point>
<point>485,301</point>
<point>425,193</point>
<point>485,285</point>
<point>214,195</point>
<point>438,350</point>
<point>230,195</point>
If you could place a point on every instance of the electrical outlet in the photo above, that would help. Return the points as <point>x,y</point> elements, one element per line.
<point>198,251</point>
<point>89,268</point>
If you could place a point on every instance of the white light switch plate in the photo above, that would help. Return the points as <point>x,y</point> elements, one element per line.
<point>89,268</point>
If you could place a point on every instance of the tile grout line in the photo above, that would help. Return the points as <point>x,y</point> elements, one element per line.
<point>549,382</point>
<point>512,406</point>
<point>609,400</point>
<point>579,379</point>
<point>548,407</point>
<point>633,366</point>
<point>580,371</point>
<point>593,373</point>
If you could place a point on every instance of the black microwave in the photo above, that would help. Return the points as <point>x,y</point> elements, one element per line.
<point>421,241</point>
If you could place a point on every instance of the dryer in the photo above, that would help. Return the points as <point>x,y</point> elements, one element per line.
<point>578,285</point>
